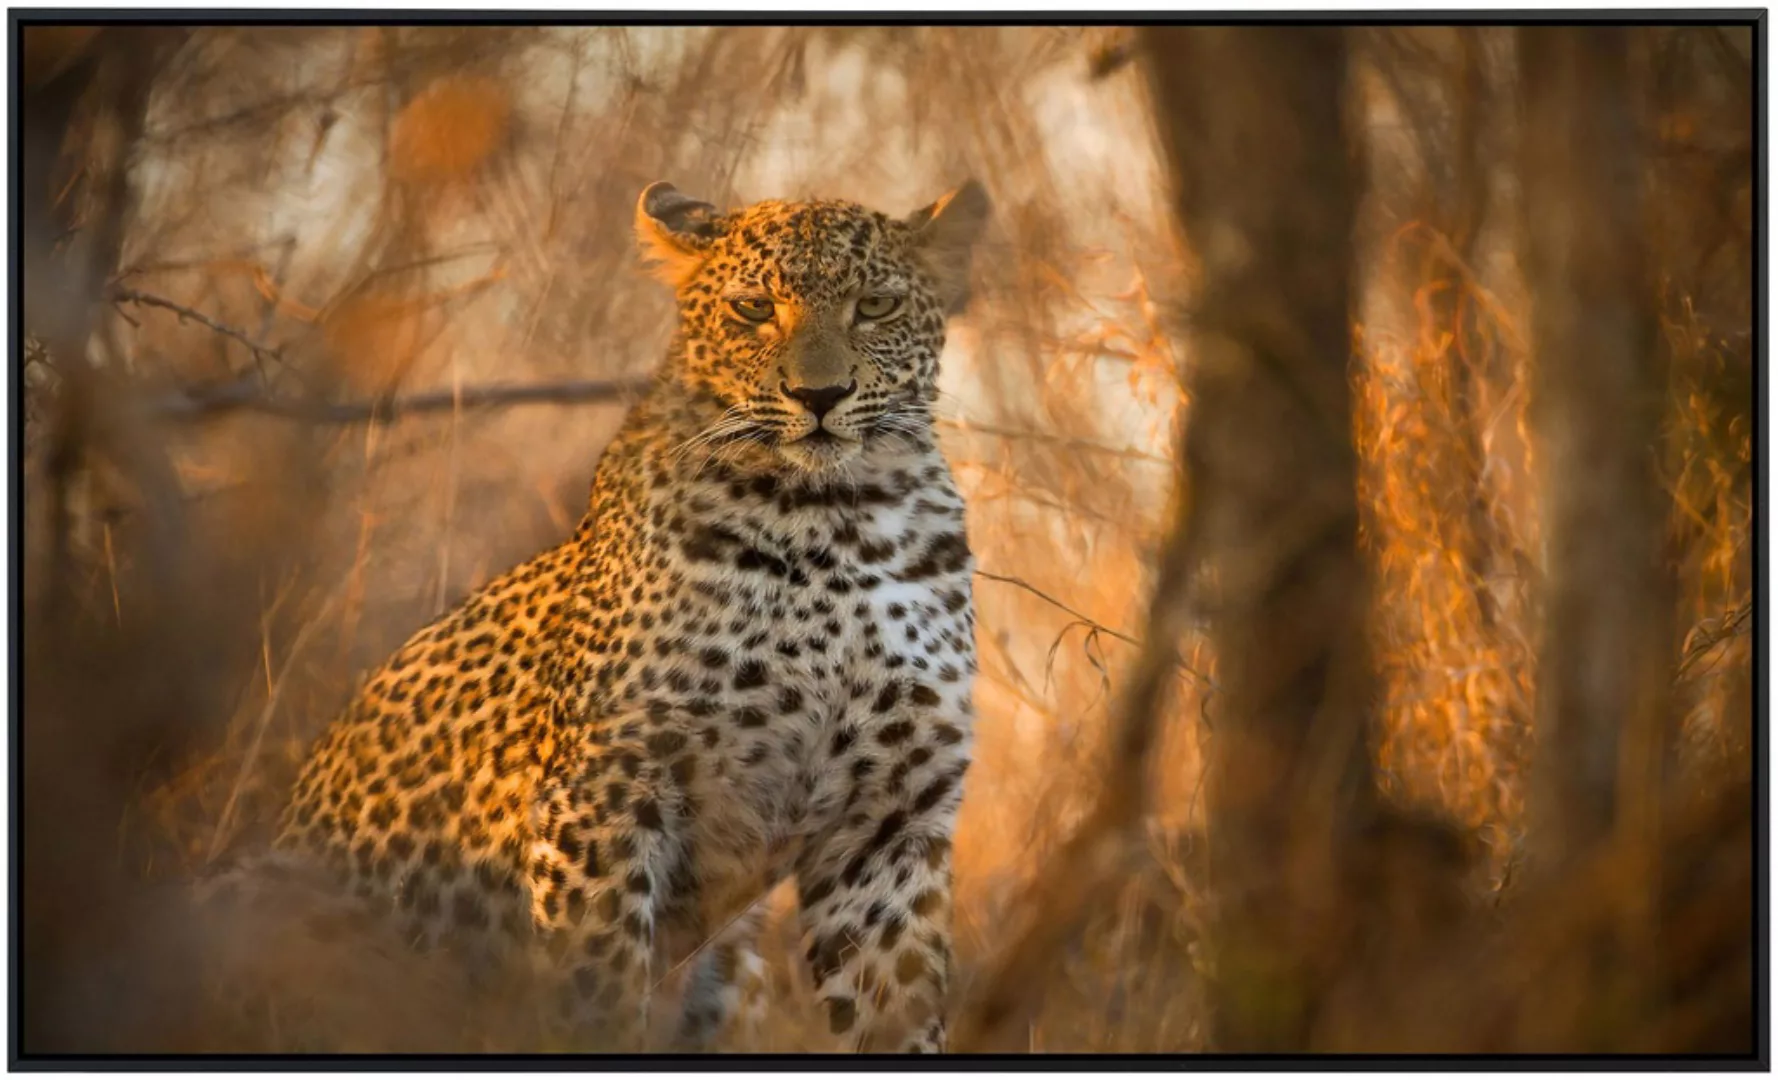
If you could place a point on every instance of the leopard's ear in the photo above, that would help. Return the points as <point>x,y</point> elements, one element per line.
<point>675,232</point>
<point>945,234</point>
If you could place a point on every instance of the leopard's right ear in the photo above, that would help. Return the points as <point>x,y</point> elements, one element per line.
<point>674,231</point>
<point>944,235</point>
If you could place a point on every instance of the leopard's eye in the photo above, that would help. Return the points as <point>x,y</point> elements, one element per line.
<point>753,310</point>
<point>877,307</point>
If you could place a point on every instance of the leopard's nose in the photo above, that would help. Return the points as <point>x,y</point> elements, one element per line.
<point>819,400</point>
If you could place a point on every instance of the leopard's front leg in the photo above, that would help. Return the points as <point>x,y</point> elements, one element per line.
<point>875,892</point>
<point>605,829</point>
<point>725,997</point>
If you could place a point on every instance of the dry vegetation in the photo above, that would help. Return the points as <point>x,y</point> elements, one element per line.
<point>362,310</point>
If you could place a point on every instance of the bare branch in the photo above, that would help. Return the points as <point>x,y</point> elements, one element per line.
<point>244,397</point>
<point>136,296</point>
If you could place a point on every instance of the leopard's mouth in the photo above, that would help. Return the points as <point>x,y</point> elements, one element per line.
<point>819,450</point>
<point>822,439</point>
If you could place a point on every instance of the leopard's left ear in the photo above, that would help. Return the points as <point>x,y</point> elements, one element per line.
<point>674,231</point>
<point>945,234</point>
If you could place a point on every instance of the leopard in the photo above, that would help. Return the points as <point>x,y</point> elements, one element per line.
<point>751,664</point>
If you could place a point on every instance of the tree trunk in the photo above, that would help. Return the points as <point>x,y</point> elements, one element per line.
<point>1255,124</point>
<point>1606,664</point>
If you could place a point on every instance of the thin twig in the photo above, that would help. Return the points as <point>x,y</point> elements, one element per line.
<point>1733,624</point>
<point>1053,602</point>
<point>702,945</point>
<point>136,296</point>
<point>1093,625</point>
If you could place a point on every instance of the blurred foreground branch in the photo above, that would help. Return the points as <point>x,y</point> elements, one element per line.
<point>1267,189</point>
<point>1607,658</point>
<point>1606,669</point>
<point>80,124</point>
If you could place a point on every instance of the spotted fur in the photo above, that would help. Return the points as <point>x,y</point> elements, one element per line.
<point>752,661</point>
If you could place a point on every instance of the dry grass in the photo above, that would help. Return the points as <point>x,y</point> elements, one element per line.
<point>388,213</point>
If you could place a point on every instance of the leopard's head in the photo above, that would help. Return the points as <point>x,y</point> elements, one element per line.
<point>816,326</point>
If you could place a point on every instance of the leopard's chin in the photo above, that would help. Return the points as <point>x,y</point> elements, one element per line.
<point>820,452</point>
